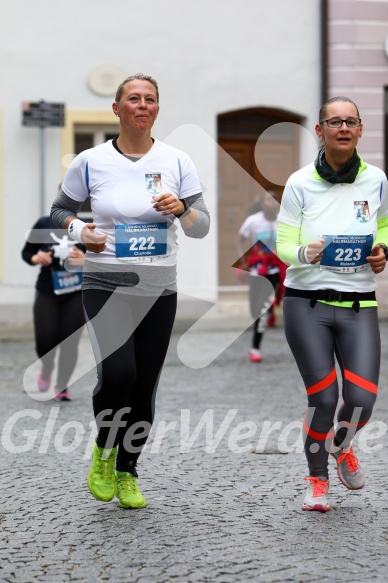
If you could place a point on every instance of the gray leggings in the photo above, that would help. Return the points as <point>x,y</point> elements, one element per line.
<point>315,336</point>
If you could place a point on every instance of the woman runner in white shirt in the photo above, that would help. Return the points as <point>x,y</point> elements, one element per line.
<point>333,234</point>
<point>137,187</point>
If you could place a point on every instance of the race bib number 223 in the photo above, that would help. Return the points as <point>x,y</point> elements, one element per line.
<point>346,253</point>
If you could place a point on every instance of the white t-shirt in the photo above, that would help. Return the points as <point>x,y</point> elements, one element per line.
<point>121,193</point>
<point>320,208</point>
<point>257,228</point>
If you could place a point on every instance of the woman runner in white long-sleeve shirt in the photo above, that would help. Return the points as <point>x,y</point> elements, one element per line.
<point>333,232</point>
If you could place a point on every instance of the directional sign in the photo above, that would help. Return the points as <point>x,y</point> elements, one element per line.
<point>42,114</point>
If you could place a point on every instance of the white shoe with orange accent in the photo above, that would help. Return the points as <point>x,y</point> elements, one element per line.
<point>315,498</point>
<point>349,469</point>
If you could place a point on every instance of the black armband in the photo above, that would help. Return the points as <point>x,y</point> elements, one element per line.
<point>187,208</point>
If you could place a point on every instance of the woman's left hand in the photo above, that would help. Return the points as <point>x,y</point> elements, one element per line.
<point>76,257</point>
<point>377,259</point>
<point>168,204</point>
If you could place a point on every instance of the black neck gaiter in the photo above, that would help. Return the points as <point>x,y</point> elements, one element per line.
<point>347,174</point>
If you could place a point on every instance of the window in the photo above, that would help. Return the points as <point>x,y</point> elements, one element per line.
<point>88,136</point>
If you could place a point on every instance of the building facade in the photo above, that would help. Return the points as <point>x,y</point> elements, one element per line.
<point>357,66</point>
<point>227,73</point>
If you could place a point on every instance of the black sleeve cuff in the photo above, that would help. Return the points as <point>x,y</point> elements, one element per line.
<point>187,208</point>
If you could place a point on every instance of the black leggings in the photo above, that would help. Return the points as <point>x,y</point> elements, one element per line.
<point>315,335</point>
<point>256,305</point>
<point>130,337</point>
<point>58,320</point>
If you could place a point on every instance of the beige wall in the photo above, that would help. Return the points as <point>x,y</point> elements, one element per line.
<point>358,66</point>
<point>1,197</point>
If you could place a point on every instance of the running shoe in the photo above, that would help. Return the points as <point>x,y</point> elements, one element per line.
<point>349,469</point>
<point>127,491</point>
<point>255,355</point>
<point>62,395</point>
<point>43,384</point>
<point>316,495</point>
<point>101,477</point>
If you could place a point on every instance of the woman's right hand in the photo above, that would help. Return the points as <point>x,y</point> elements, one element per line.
<point>314,251</point>
<point>42,258</point>
<point>92,241</point>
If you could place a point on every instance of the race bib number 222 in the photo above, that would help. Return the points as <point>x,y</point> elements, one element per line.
<point>141,241</point>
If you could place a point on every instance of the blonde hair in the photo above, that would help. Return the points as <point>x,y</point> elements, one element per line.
<point>341,98</point>
<point>140,77</point>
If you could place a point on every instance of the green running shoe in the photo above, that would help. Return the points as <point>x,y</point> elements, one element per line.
<point>127,491</point>
<point>101,477</point>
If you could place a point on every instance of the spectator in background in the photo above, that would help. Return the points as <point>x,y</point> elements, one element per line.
<point>260,229</point>
<point>57,310</point>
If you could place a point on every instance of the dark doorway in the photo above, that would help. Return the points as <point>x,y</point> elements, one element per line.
<point>242,185</point>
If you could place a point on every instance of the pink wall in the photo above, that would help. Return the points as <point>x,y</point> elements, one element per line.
<point>358,66</point>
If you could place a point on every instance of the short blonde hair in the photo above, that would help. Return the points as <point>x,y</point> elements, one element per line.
<point>340,98</point>
<point>140,77</point>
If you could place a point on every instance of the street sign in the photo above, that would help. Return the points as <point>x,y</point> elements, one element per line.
<point>42,114</point>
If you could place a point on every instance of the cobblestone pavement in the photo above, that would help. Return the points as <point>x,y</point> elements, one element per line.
<point>216,512</point>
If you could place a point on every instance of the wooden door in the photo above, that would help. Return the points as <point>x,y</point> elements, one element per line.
<point>258,153</point>
<point>237,190</point>
<point>246,170</point>
<point>274,163</point>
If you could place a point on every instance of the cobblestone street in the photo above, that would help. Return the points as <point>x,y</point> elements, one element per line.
<point>222,473</point>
